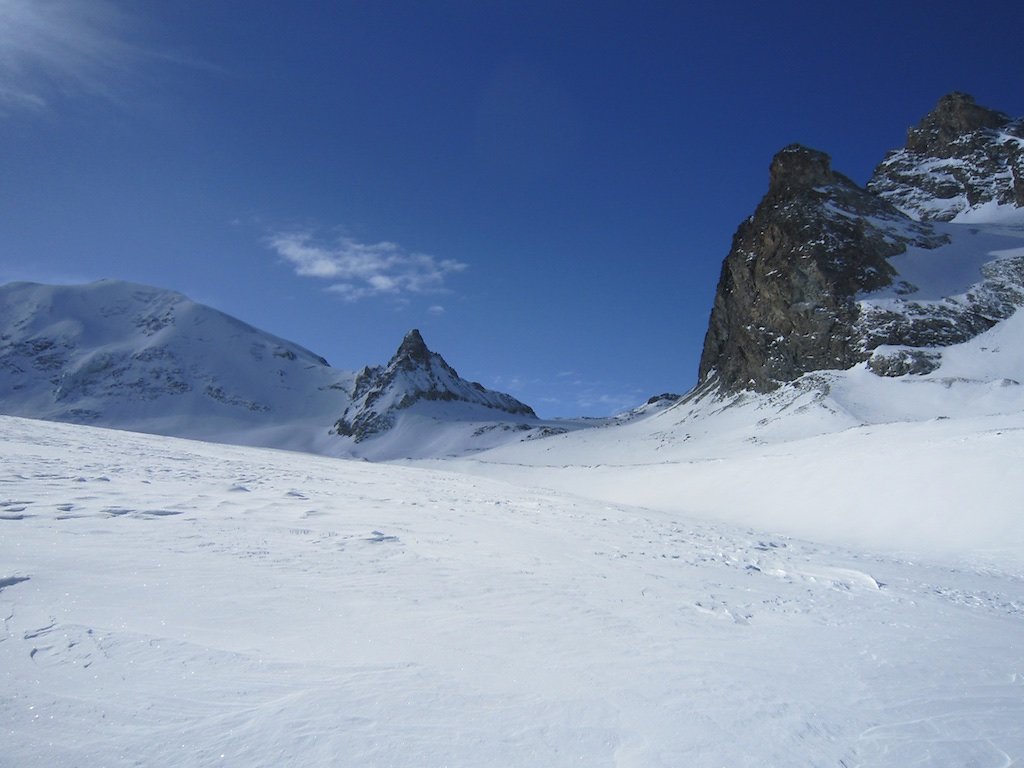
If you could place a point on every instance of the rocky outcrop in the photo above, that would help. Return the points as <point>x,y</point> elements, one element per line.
<point>941,322</point>
<point>413,375</point>
<point>960,156</point>
<point>903,361</point>
<point>796,290</point>
<point>785,303</point>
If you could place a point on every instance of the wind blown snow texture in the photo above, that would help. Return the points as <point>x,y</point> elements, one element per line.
<point>177,603</point>
<point>915,464</point>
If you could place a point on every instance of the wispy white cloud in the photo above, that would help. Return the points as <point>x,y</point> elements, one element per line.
<point>360,270</point>
<point>437,310</point>
<point>50,47</point>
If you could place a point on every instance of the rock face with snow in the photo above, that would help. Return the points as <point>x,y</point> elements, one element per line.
<point>414,374</point>
<point>960,156</point>
<point>785,303</point>
<point>131,356</point>
<point>826,274</point>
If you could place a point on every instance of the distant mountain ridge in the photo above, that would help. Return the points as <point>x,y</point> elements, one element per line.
<point>826,274</point>
<point>135,357</point>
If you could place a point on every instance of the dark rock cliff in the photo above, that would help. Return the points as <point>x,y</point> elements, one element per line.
<point>785,300</point>
<point>790,296</point>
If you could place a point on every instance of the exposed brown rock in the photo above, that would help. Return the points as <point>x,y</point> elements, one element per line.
<point>785,301</point>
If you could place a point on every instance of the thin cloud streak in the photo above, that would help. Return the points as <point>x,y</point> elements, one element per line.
<point>52,47</point>
<point>362,270</point>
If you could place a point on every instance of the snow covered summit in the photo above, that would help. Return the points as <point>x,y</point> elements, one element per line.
<point>413,375</point>
<point>960,160</point>
<point>119,354</point>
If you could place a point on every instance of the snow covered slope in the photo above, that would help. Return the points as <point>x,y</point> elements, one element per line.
<point>828,574</point>
<point>944,295</point>
<point>964,164</point>
<point>183,604</point>
<point>135,357</point>
<point>894,463</point>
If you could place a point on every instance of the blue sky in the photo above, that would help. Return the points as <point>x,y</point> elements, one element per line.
<point>545,189</point>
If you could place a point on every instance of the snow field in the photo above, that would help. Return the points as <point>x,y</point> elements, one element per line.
<point>946,487</point>
<point>185,604</point>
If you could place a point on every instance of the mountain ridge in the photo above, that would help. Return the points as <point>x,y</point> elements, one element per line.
<point>117,351</point>
<point>130,356</point>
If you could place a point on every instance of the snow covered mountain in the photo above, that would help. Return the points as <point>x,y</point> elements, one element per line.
<point>131,356</point>
<point>813,558</point>
<point>825,276</point>
<point>784,304</point>
<point>415,374</point>
<point>417,406</point>
<point>134,357</point>
<point>856,362</point>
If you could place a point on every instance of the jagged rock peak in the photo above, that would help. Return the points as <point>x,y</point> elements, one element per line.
<point>959,159</point>
<point>413,348</point>
<point>794,295</point>
<point>414,374</point>
<point>956,114</point>
<point>799,167</point>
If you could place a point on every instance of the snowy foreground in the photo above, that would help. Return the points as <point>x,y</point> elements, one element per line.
<point>174,603</point>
